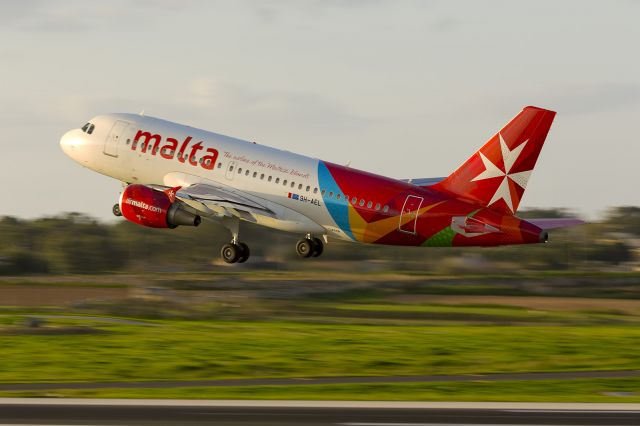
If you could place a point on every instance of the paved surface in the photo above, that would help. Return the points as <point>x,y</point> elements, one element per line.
<point>256,413</point>
<point>324,380</point>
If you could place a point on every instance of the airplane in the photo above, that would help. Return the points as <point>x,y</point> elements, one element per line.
<point>175,175</point>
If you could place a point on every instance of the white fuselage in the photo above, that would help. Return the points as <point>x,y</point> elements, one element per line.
<point>285,182</point>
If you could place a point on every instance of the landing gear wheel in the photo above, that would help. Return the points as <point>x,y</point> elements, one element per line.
<point>244,252</point>
<point>304,248</point>
<point>318,247</point>
<point>230,253</point>
<point>116,210</point>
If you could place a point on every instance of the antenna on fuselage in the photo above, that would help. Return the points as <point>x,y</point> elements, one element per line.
<point>142,113</point>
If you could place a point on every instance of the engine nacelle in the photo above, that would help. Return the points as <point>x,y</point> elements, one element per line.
<point>147,207</point>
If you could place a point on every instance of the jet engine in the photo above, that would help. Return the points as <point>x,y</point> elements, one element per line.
<point>156,209</point>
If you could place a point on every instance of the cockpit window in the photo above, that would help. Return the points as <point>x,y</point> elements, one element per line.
<point>88,128</point>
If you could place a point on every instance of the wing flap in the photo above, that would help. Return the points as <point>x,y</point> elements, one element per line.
<point>217,201</point>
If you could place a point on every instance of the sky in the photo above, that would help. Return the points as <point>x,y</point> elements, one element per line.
<point>402,88</point>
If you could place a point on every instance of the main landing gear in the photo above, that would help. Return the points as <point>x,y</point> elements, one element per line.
<point>238,252</point>
<point>309,247</point>
<point>235,251</point>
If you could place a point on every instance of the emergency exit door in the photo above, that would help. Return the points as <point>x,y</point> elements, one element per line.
<point>409,214</point>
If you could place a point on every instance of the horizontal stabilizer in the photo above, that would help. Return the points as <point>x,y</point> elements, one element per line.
<point>424,181</point>
<point>553,223</point>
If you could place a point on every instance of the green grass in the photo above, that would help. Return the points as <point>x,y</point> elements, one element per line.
<point>581,390</point>
<point>186,350</point>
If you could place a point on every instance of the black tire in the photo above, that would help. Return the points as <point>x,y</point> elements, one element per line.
<point>244,252</point>
<point>304,248</point>
<point>116,210</point>
<point>230,253</point>
<point>318,247</point>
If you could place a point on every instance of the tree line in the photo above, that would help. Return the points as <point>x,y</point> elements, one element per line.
<point>76,243</point>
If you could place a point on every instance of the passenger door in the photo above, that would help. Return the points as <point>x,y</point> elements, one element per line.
<point>113,138</point>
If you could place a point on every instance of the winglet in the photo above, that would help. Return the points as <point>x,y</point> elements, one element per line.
<point>171,193</point>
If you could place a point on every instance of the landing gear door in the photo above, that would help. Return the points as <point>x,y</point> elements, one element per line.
<point>409,214</point>
<point>113,138</point>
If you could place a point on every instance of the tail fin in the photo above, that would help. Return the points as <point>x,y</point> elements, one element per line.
<point>497,175</point>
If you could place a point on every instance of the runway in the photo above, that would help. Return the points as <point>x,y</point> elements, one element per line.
<point>49,412</point>
<point>159,384</point>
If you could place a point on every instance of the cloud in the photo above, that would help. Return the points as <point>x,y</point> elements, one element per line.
<point>594,98</point>
<point>75,15</point>
<point>304,112</point>
<point>271,11</point>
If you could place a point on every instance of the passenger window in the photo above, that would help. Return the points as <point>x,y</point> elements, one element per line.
<point>277,180</point>
<point>269,179</point>
<point>369,204</point>
<point>231,168</point>
<point>308,188</point>
<point>378,206</point>
<point>315,190</point>
<point>246,173</point>
<point>255,174</point>
<point>293,184</point>
<point>330,194</point>
<point>386,209</point>
<point>219,164</point>
<point>323,192</point>
<point>284,182</point>
<point>361,202</point>
<point>338,196</point>
<point>239,170</point>
<point>300,186</point>
<point>262,176</point>
<point>354,200</point>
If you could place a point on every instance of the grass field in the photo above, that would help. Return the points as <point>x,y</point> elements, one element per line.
<point>217,327</point>
<point>177,350</point>
<point>582,390</point>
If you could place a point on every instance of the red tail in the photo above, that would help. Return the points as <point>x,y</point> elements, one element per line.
<point>497,175</point>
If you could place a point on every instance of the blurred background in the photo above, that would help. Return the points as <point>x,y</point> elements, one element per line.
<point>406,89</point>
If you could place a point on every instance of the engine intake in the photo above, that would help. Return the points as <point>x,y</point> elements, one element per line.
<point>147,207</point>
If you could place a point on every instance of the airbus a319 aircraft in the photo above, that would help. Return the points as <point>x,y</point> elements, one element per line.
<point>174,175</point>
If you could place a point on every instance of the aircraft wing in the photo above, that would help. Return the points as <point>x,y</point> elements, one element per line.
<point>553,223</point>
<point>424,181</point>
<point>219,201</point>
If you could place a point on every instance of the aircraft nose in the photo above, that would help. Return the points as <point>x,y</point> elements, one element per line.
<point>73,145</point>
<point>65,142</point>
<point>70,142</point>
